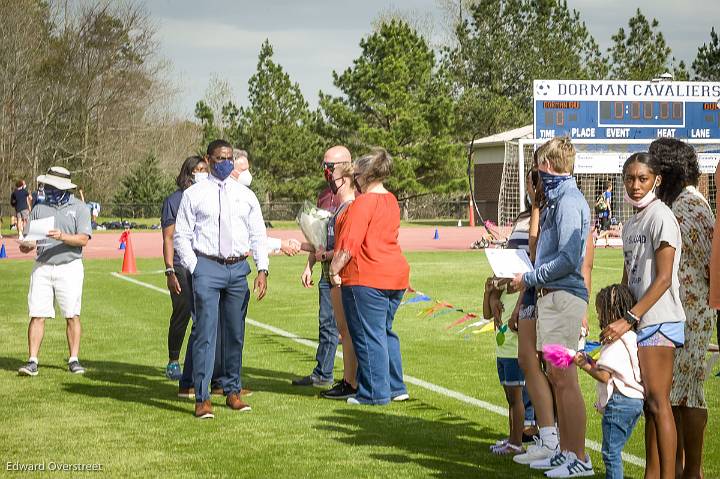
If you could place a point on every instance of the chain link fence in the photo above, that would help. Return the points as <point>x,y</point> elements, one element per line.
<point>420,207</point>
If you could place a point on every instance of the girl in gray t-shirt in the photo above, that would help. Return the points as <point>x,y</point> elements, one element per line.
<point>652,248</point>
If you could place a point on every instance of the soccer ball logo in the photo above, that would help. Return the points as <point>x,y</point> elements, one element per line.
<point>543,89</point>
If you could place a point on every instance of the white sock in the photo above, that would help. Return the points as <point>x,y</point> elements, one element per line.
<point>33,359</point>
<point>549,436</point>
<point>72,358</point>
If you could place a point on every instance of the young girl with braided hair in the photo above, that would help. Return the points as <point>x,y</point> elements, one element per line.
<point>620,392</point>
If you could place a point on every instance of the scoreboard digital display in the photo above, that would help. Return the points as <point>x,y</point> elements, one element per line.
<point>586,109</point>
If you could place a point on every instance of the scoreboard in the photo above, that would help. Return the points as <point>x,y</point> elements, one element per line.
<point>605,110</point>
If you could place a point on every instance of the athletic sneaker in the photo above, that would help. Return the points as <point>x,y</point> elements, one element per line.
<point>341,390</point>
<point>557,460</point>
<point>401,397</point>
<point>30,369</point>
<point>507,449</point>
<point>76,368</point>
<point>353,401</point>
<point>498,443</point>
<point>172,371</point>
<point>536,452</point>
<point>312,380</point>
<point>573,467</point>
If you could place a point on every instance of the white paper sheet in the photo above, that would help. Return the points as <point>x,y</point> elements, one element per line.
<point>38,229</point>
<point>506,263</point>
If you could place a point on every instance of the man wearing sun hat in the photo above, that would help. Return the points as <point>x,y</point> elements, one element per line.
<point>58,272</point>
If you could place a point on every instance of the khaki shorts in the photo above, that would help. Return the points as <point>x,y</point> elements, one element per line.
<point>559,319</point>
<point>62,283</point>
<point>23,215</point>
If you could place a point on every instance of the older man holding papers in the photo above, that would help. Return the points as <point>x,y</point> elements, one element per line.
<point>61,227</point>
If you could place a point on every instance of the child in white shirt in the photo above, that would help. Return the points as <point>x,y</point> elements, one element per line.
<point>620,392</point>
<point>498,304</point>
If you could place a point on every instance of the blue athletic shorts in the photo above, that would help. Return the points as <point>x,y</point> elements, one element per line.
<point>663,334</point>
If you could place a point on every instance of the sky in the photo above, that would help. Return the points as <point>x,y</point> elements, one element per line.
<point>312,38</point>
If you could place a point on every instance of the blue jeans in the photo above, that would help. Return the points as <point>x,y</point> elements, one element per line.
<point>621,415</point>
<point>328,337</point>
<point>214,285</point>
<point>370,313</point>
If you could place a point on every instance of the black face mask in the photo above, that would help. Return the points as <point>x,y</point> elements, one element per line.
<point>334,187</point>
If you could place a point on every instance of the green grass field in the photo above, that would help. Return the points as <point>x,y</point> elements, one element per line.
<point>123,414</point>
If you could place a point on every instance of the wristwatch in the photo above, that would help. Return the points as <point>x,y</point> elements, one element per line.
<point>267,273</point>
<point>631,318</point>
<point>169,271</point>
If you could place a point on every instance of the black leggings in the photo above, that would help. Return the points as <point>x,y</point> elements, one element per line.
<point>182,308</point>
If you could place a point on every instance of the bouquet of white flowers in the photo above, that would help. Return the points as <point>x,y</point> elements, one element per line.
<point>313,223</point>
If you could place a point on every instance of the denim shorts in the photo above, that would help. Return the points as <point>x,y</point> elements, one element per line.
<point>509,372</point>
<point>663,334</point>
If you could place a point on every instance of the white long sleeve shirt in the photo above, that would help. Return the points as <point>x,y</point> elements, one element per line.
<point>197,226</point>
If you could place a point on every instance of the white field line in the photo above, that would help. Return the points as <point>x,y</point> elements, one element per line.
<point>502,411</point>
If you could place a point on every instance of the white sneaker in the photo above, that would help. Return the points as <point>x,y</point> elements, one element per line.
<point>573,467</point>
<point>401,397</point>
<point>536,452</point>
<point>556,460</point>
<point>353,401</point>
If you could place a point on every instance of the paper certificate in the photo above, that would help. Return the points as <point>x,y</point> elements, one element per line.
<point>506,263</point>
<point>38,229</point>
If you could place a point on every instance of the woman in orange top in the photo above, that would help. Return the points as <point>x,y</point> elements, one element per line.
<point>374,274</point>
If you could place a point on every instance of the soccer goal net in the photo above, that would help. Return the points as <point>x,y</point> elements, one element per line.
<point>597,164</point>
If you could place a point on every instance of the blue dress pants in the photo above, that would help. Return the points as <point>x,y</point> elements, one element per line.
<point>219,289</point>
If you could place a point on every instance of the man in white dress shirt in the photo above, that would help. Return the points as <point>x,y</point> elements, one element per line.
<point>218,224</point>
<point>241,173</point>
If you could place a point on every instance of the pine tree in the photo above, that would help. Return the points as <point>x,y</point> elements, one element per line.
<point>276,129</point>
<point>392,97</point>
<point>707,63</point>
<point>642,53</point>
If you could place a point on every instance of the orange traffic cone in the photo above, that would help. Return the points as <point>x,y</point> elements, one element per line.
<point>128,266</point>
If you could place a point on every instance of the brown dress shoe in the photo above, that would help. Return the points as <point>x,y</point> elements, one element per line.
<point>233,401</point>
<point>203,410</point>
<point>186,393</point>
<point>246,392</point>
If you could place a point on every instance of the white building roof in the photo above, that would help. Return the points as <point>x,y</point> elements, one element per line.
<point>500,138</point>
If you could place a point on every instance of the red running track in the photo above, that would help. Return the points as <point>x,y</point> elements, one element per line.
<point>148,244</point>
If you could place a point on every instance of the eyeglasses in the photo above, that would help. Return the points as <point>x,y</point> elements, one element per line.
<point>222,158</point>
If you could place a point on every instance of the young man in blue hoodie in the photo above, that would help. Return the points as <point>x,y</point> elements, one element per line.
<point>562,298</point>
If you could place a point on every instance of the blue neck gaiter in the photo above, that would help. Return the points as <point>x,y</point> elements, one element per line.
<point>550,182</point>
<point>55,196</point>
<point>222,169</point>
